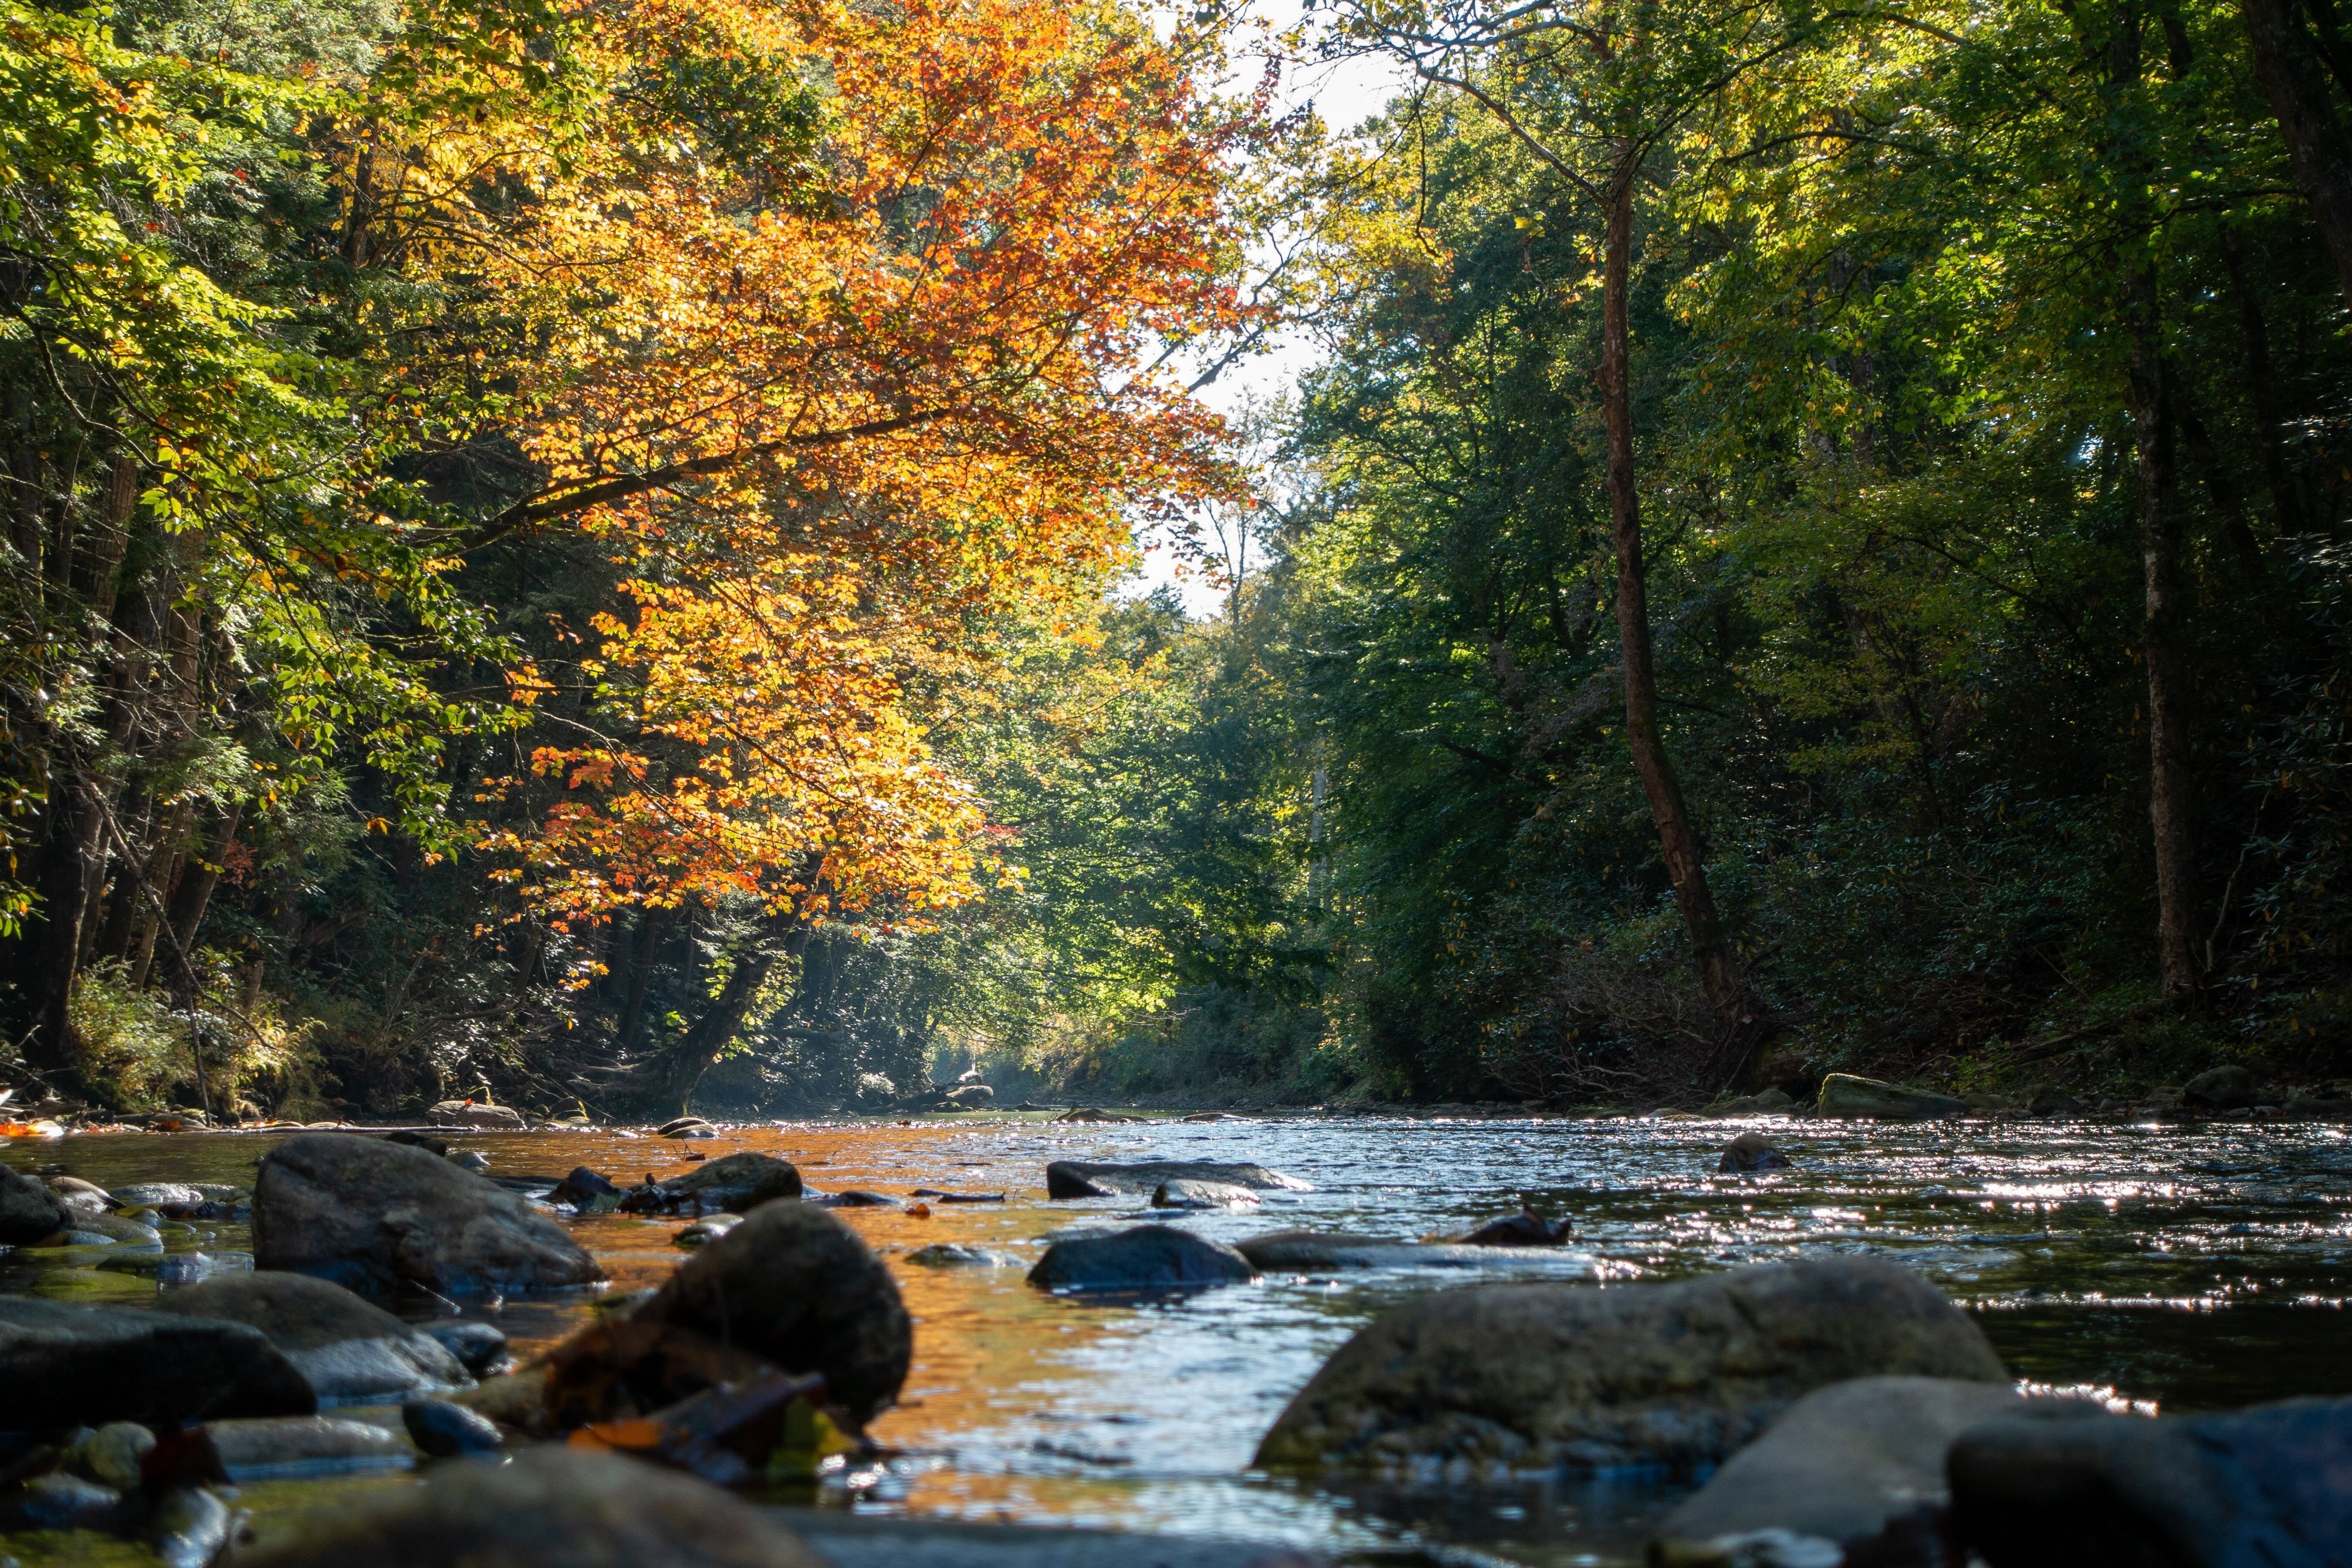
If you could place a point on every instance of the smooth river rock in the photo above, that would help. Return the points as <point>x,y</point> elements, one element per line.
<point>797,1287</point>
<point>63,1364</point>
<point>1310,1252</point>
<point>1079,1179</point>
<point>1844,1095</point>
<point>292,1447</point>
<point>2268,1487</point>
<point>29,1211</point>
<point>552,1508</point>
<point>1678,1375</point>
<point>1141,1257</point>
<point>734,1183</point>
<point>376,1216</point>
<point>1853,1472</point>
<point>465,1114</point>
<point>350,1351</point>
<point>2221,1089</point>
<point>1184,1194</point>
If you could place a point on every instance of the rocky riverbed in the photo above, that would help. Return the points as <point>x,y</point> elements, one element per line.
<point>2190,1268</point>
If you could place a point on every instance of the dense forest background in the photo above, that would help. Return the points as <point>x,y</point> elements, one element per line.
<point>581,556</point>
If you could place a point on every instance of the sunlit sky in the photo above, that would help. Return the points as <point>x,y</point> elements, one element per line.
<point>1345,93</point>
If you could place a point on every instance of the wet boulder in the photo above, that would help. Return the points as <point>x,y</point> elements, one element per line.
<point>1184,1194</point>
<point>1679,1375</point>
<point>77,1193</point>
<point>972,1096</point>
<point>1750,1152</point>
<point>685,1127</point>
<point>1853,1472</point>
<point>2221,1089</point>
<point>447,1431</point>
<point>1142,1257</point>
<point>29,1212</point>
<point>1525,1228</point>
<point>1844,1095</point>
<point>2048,1102</point>
<point>478,1347</point>
<point>290,1448</point>
<point>2262,1488</point>
<point>84,1229</point>
<point>1079,1179</point>
<point>956,1255</point>
<point>795,1286</point>
<point>66,1365</point>
<point>377,1217</point>
<point>703,1232</point>
<point>349,1349</point>
<point>61,1502</point>
<point>736,1183</point>
<point>555,1508</point>
<point>586,1192</point>
<point>465,1114</point>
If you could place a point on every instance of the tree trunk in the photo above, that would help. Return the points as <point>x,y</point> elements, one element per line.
<point>671,1081</point>
<point>2262,393</point>
<point>1718,966</point>
<point>2168,679</point>
<point>641,969</point>
<point>185,918</point>
<point>2316,144</point>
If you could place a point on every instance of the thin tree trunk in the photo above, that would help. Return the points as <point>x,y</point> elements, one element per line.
<point>641,969</point>
<point>2261,393</point>
<point>185,918</point>
<point>2315,143</point>
<point>2168,792</point>
<point>1718,966</point>
<point>683,1065</point>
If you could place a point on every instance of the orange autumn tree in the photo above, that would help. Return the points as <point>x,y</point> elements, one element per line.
<point>831,403</point>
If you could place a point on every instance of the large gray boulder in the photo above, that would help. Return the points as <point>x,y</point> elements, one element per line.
<point>552,1508</point>
<point>1855,1472</point>
<point>1844,1095</point>
<point>1141,1257</point>
<point>63,1364</point>
<point>795,1286</point>
<point>2270,1486</point>
<point>1079,1179</point>
<point>377,1216</point>
<point>2221,1089</point>
<point>733,1184</point>
<point>29,1212</point>
<point>350,1351</point>
<point>1681,1374</point>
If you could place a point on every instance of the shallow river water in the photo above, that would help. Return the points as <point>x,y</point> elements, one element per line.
<point>2189,1268</point>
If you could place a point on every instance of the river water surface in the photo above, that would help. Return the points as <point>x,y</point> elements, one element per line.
<point>2184,1267</point>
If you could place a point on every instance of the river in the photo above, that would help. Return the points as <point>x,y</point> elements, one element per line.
<point>2180,1267</point>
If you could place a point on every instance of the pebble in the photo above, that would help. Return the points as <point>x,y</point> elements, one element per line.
<point>447,1431</point>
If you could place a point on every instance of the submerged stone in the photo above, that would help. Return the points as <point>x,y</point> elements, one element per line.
<point>1750,1152</point>
<point>1184,1194</point>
